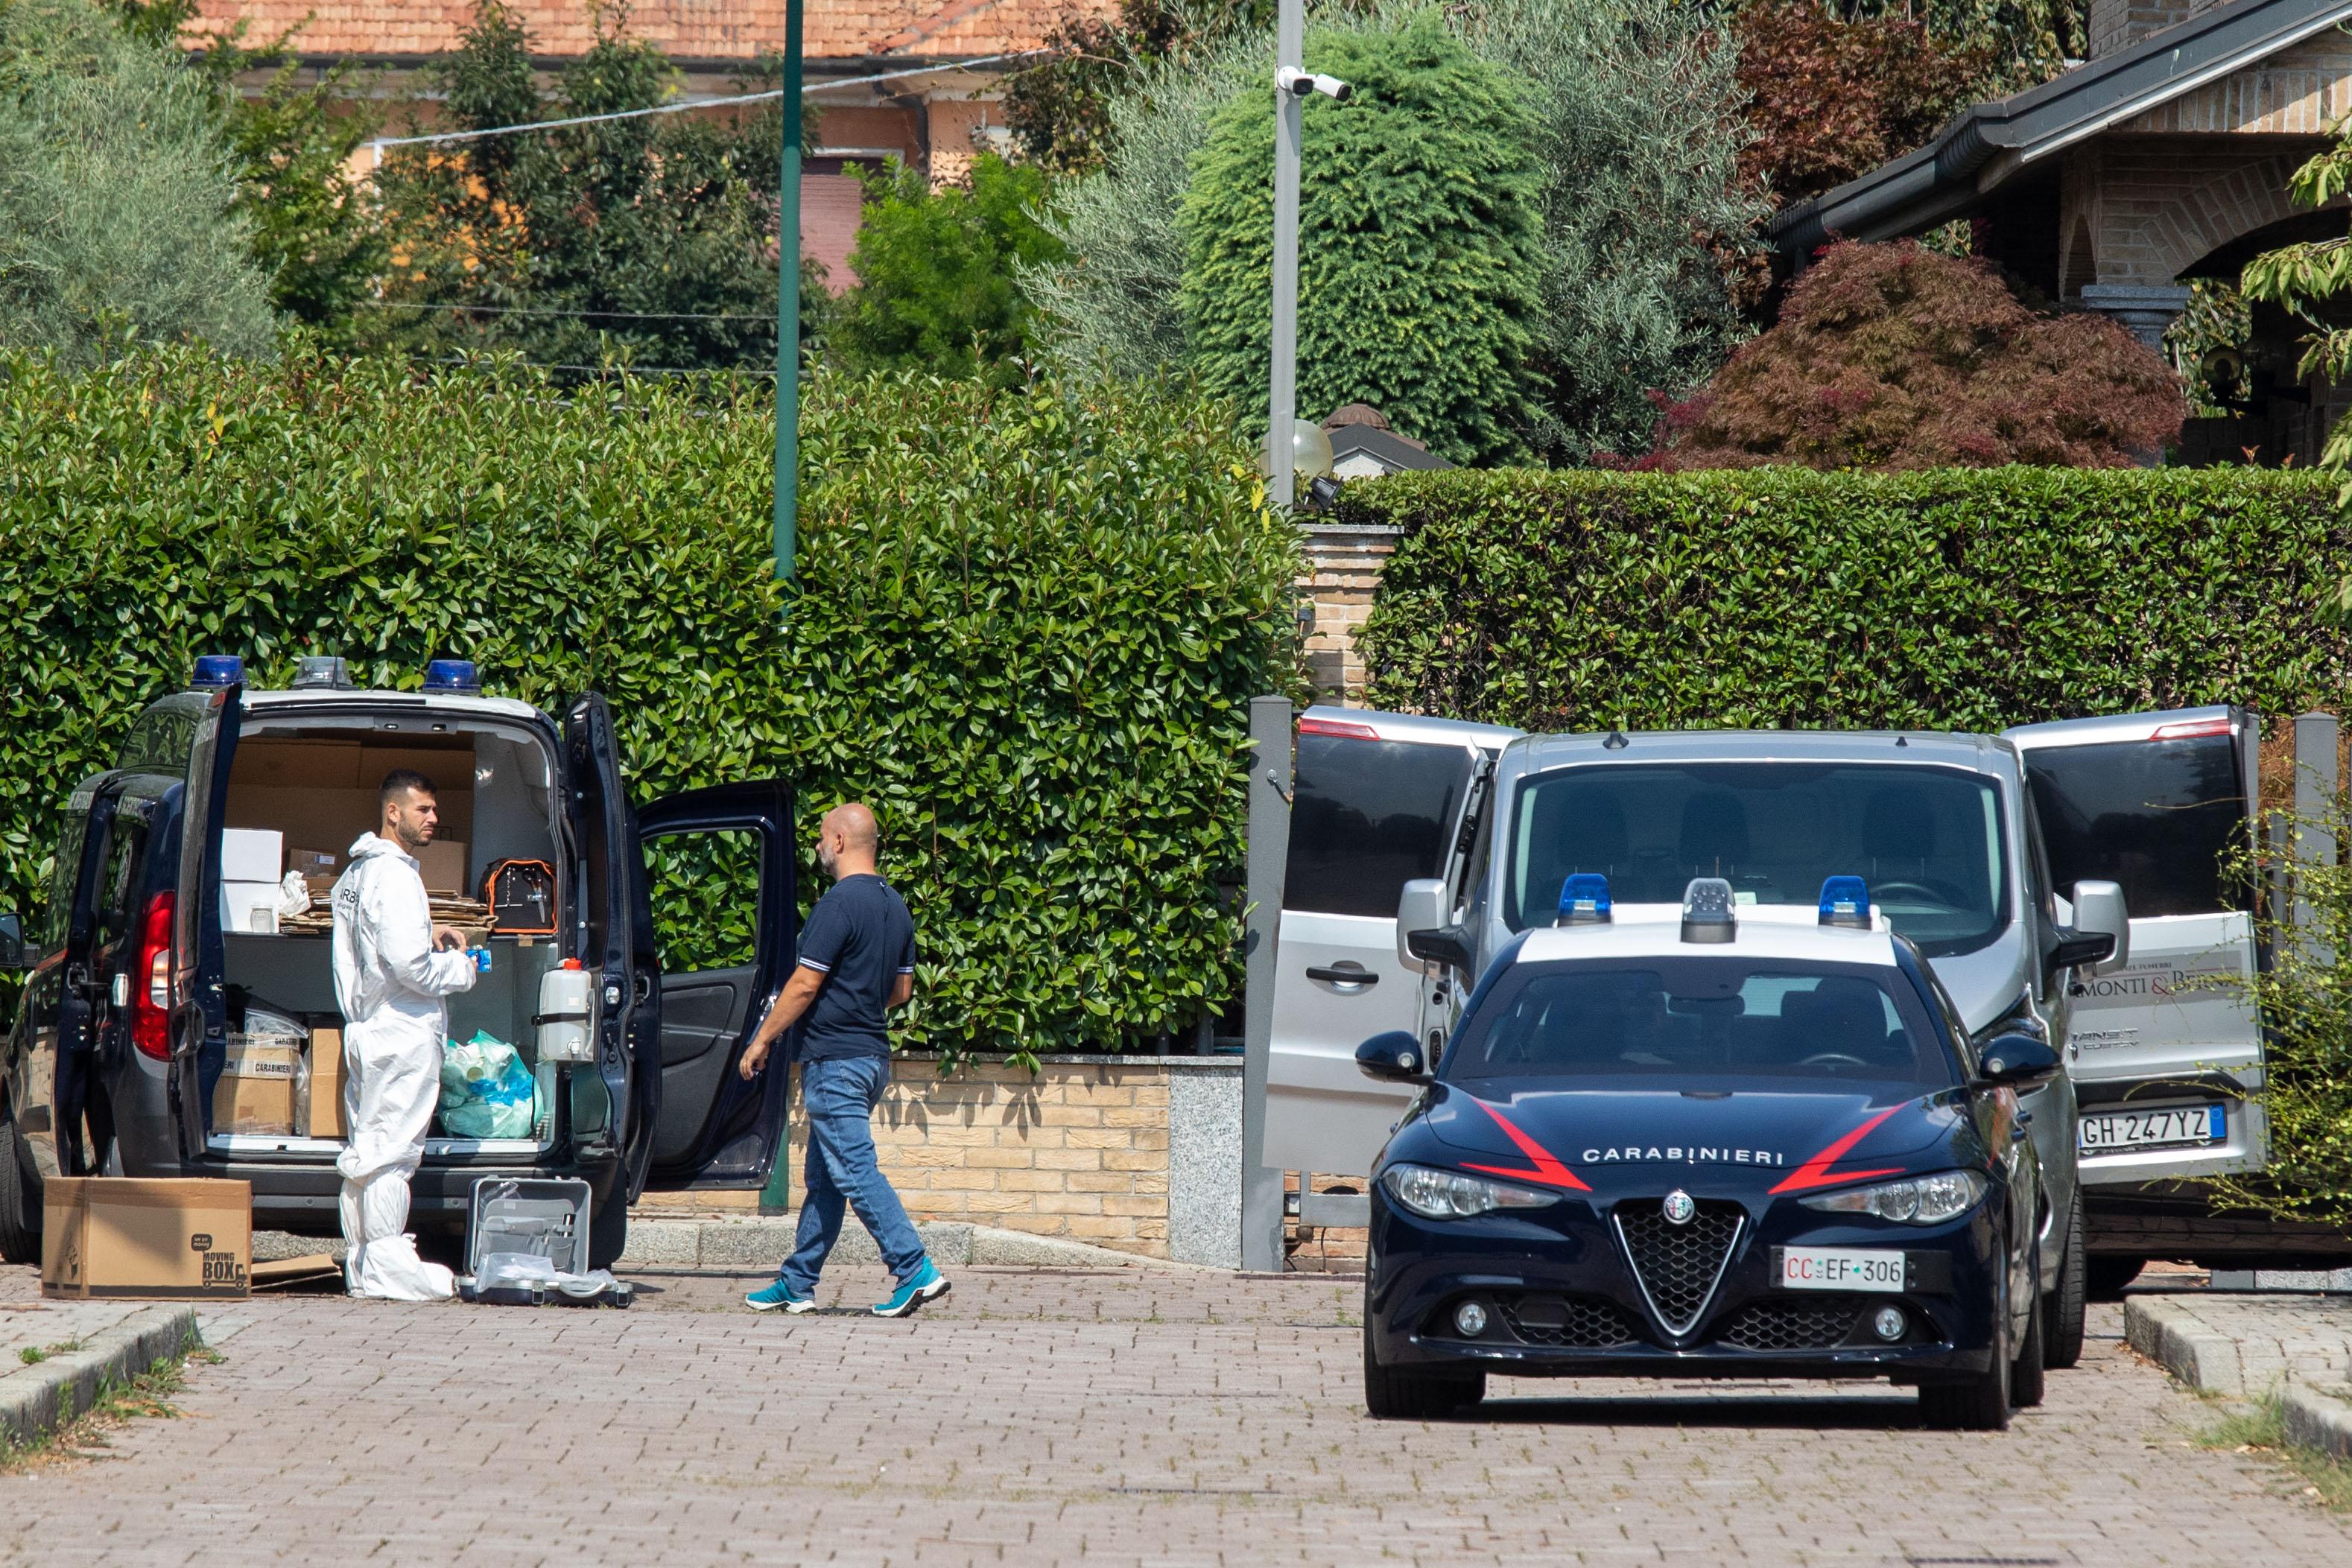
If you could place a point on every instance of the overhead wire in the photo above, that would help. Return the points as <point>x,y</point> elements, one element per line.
<point>684,105</point>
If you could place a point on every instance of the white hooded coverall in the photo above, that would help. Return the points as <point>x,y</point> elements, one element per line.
<point>390,982</point>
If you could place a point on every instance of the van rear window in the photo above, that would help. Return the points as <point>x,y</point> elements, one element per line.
<point>1367,817</point>
<point>2157,816</point>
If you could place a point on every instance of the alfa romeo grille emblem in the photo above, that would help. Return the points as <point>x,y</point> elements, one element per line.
<point>1680,1207</point>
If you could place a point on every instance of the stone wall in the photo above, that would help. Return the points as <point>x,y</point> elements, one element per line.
<point>1140,1154</point>
<point>1343,568</point>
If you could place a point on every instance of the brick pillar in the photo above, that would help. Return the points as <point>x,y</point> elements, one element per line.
<point>2145,309</point>
<point>1343,568</point>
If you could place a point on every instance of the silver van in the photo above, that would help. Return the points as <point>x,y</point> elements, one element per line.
<point>2127,817</point>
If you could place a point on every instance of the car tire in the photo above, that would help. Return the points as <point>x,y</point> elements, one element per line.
<point>2105,1277</point>
<point>608,1235</point>
<point>2028,1370</point>
<point>1978,1404</point>
<point>20,1196</point>
<point>1399,1393</point>
<point>2061,1313</point>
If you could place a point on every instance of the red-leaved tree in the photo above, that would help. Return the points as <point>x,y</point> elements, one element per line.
<point>1895,356</point>
<point>1831,100</point>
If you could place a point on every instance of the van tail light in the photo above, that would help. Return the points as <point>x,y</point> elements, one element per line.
<point>1338,727</point>
<point>150,986</point>
<point>2191,729</point>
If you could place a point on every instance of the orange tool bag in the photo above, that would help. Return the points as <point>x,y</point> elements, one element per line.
<point>522,896</point>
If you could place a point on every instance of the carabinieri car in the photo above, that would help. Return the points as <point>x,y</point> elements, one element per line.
<point>1708,1140</point>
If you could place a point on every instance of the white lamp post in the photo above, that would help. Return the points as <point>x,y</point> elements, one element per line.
<point>1292,83</point>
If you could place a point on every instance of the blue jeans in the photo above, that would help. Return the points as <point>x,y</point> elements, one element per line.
<point>841,1093</point>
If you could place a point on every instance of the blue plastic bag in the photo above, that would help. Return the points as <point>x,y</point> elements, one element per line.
<point>486,1090</point>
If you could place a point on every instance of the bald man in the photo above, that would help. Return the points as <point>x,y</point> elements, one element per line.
<point>857,963</point>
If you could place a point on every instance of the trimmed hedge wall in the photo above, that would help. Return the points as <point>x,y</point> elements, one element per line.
<point>1026,630</point>
<point>1965,599</point>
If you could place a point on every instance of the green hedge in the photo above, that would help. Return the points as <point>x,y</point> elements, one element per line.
<point>1026,631</point>
<point>1957,600</point>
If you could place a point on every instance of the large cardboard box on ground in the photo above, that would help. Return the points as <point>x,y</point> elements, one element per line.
<point>105,1237</point>
<point>255,1093</point>
<point>326,1118</point>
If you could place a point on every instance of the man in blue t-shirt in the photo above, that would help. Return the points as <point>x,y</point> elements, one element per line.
<point>857,963</point>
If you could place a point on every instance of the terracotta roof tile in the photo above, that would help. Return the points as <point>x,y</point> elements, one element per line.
<point>686,29</point>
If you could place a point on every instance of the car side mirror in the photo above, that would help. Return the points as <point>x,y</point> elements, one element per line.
<point>1421,906</point>
<point>2017,1061</point>
<point>11,942</point>
<point>2099,911</point>
<point>1393,1057</point>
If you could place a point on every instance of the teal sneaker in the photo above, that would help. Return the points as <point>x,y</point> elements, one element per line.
<point>780,1295</point>
<point>928,1285</point>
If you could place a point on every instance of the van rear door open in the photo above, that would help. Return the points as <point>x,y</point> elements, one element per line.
<point>2165,1048</point>
<point>1377,800</point>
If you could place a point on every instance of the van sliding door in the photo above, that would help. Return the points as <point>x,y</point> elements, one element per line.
<point>2165,1047</point>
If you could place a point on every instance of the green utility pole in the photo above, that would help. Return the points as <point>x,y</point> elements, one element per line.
<point>776,1197</point>
<point>788,304</point>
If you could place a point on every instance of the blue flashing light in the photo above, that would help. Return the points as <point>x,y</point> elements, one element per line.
<point>1585,900</point>
<point>218,670</point>
<point>451,675</point>
<point>1845,900</point>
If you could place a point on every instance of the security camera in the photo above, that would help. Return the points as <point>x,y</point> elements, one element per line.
<point>1298,84</point>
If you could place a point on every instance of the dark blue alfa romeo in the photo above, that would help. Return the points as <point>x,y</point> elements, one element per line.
<point>1708,1141</point>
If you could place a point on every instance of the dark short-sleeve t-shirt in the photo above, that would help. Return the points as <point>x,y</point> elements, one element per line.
<point>861,939</point>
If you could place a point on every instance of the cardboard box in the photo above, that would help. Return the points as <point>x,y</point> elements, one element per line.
<point>255,1093</point>
<point>444,864</point>
<point>106,1236</point>
<point>252,854</point>
<point>250,907</point>
<point>325,1117</point>
<point>317,868</point>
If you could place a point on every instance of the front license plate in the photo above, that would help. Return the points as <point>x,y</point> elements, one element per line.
<point>2113,1129</point>
<point>1839,1268</point>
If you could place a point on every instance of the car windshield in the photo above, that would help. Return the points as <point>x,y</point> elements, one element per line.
<point>1926,839</point>
<point>1700,1021</point>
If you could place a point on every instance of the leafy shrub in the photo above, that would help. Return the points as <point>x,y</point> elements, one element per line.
<point>1642,210</point>
<point>1957,600</point>
<point>117,195</point>
<point>934,272</point>
<point>1418,220</point>
<point>1026,627</point>
<point>2304,996</point>
<point>1892,356</point>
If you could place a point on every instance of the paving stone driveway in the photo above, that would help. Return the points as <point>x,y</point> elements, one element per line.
<point>1042,1415</point>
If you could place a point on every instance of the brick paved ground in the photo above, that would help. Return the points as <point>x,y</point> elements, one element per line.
<point>2306,1337</point>
<point>1044,1416</point>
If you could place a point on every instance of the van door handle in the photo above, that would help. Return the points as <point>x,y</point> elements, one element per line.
<point>1342,976</point>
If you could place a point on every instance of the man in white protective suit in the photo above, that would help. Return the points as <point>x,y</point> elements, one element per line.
<point>393,967</point>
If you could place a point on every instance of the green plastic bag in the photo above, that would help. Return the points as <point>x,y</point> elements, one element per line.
<point>486,1090</point>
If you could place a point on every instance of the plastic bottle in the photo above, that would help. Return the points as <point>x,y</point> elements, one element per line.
<point>563,1014</point>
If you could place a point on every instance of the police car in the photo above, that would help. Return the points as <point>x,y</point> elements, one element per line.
<point>1708,1140</point>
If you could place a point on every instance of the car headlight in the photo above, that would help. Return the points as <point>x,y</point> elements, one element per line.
<point>1915,1200</point>
<point>1450,1195</point>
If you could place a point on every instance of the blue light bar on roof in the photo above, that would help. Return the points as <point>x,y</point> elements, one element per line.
<point>1585,900</point>
<point>218,670</point>
<point>1845,900</point>
<point>451,675</point>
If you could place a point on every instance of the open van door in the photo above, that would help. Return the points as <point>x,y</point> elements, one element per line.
<point>721,877</point>
<point>1377,800</point>
<point>202,727</point>
<point>616,1104</point>
<point>2163,1056</point>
